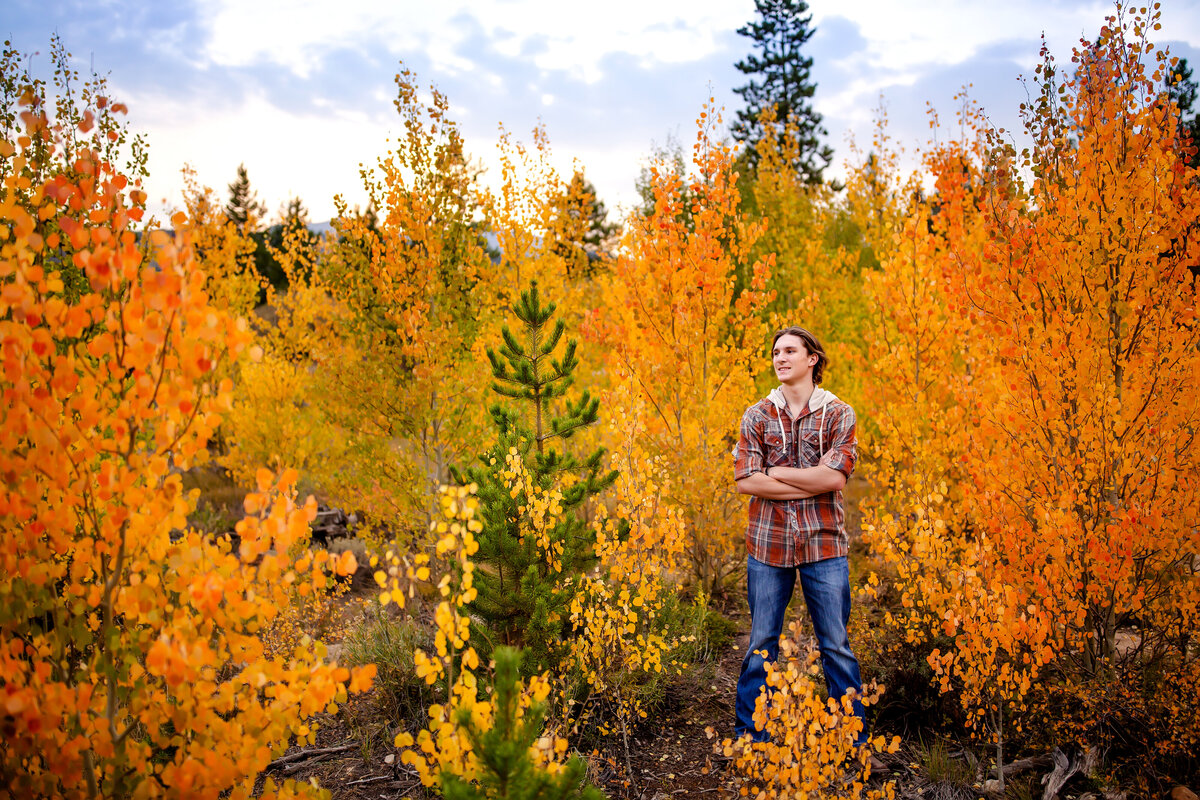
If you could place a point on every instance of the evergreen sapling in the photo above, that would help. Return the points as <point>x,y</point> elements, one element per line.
<point>507,771</point>
<point>525,586</point>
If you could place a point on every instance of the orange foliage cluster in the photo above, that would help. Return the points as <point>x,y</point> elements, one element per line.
<point>679,328</point>
<point>130,659</point>
<point>1034,384</point>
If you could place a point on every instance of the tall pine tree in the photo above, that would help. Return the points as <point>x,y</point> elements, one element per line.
<point>780,78</point>
<point>1182,89</point>
<point>524,581</point>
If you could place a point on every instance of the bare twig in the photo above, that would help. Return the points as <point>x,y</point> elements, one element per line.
<point>376,779</point>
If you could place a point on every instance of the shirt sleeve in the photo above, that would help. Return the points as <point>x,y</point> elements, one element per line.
<point>843,451</point>
<point>748,455</point>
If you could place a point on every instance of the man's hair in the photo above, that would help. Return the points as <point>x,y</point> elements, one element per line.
<point>811,344</point>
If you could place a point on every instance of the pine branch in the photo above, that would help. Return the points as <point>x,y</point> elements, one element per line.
<point>499,370</point>
<point>560,328</point>
<point>512,349</point>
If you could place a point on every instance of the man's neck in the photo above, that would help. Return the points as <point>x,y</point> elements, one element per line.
<point>797,395</point>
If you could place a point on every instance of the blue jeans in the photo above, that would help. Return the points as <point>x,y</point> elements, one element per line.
<point>826,586</point>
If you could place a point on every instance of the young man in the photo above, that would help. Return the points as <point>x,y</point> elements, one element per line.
<point>795,452</point>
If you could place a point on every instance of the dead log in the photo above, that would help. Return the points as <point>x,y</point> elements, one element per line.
<point>1067,766</point>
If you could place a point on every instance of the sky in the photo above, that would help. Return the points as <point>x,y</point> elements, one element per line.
<point>301,91</point>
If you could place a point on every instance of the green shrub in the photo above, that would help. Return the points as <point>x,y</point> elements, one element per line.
<point>524,583</point>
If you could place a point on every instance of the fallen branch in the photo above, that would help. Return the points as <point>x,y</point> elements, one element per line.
<point>292,769</point>
<point>1026,764</point>
<point>307,754</point>
<point>1045,761</point>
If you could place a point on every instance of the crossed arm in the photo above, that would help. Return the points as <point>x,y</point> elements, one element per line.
<point>792,483</point>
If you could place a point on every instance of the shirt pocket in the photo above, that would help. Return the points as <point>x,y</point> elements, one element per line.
<point>776,450</point>
<point>810,448</point>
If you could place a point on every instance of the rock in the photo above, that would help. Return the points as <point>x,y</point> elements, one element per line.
<point>1183,793</point>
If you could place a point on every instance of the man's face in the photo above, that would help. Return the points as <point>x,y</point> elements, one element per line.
<point>791,360</point>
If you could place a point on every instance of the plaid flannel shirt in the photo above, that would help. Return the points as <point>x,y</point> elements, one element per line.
<point>785,533</point>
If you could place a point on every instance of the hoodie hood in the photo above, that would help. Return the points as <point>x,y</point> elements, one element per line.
<point>820,400</point>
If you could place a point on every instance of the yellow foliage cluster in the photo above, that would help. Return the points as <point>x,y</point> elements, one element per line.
<point>812,748</point>
<point>443,747</point>
<point>291,436</point>
<point>617,612</point>
<point>542,509</point>
<point>226,251</point>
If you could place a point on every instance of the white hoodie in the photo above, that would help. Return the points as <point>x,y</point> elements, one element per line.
<point>820,400</point>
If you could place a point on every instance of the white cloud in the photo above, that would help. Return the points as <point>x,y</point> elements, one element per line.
<point>922,34</point>
<point>920,53</point>
<point>559,36</point>
<point>925,33</point>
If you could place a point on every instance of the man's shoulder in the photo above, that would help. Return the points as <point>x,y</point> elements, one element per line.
<point>842,410</point>
<point>838,404</point>
<point>762,410</point>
